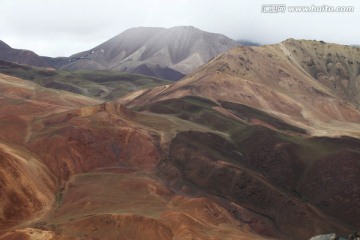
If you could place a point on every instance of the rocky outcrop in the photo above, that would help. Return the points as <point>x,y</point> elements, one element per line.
<point>27,187</point>
<point>333,236</point>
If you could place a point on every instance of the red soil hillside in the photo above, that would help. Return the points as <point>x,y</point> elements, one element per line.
<point>230,152</point>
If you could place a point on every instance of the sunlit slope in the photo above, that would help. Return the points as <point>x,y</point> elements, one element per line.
<point>309,84</point>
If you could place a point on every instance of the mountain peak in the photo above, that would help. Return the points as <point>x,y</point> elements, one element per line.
<point>141,28</point>
<point>185,28</point>
<point>168,53</point>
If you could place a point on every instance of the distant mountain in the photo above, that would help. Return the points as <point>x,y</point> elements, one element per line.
<point>159,52</point>
<point>166,53</point>
<point>247,43</point>
<point>27,57</point>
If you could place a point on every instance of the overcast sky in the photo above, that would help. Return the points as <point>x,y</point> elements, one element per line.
<point>64,27</point>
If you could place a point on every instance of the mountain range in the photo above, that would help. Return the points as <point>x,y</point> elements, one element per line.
<point>261,142</point>
<point>159,52</point>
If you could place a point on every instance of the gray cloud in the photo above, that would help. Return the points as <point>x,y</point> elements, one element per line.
<point>61,28</point>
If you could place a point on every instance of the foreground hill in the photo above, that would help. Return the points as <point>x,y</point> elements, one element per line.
<point>191,160</point>
<point>165,53</point>
<point>77,168</point>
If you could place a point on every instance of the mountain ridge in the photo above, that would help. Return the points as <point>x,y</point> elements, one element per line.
<point>28,57</point>
<point>282,79</point>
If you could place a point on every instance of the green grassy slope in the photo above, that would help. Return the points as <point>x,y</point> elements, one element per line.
<point>105,85</point>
